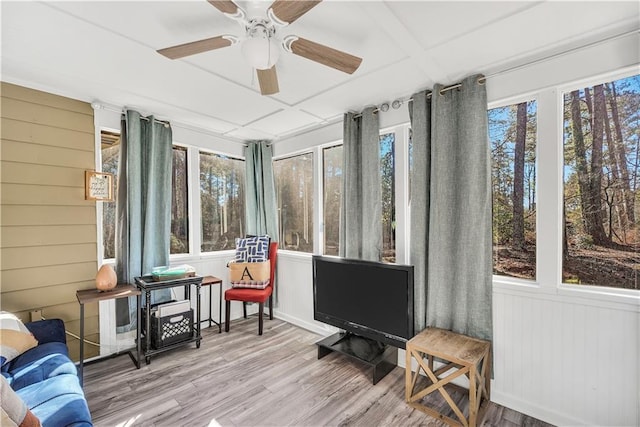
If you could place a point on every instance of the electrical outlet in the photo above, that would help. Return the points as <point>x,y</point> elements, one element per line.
<point>36,315</point>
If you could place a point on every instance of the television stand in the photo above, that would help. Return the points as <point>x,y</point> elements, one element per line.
<point>382,358</point>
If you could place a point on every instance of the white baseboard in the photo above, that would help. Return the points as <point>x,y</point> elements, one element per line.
<point>323,332</point>
<point>534,410</point>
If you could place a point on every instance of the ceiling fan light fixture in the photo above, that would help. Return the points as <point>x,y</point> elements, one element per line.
<point>262,53</point>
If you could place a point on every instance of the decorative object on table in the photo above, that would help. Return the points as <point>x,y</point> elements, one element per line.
<point>15,338</point>
<point>106,278</point>
<point>251,267</point>
<point>172,273</point>
<point>98,186</point>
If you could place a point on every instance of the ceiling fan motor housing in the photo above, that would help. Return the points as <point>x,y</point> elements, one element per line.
<point>260,48</point>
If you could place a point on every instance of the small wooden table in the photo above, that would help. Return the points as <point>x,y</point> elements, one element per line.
<point>466,356</point>
<point>210,281</point>
<point>93,295</point>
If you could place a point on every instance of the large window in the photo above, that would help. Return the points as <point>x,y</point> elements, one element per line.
<point>221,201</point>
<point>601,185</point>
<point>110,149</point>
<point>294,187</point>
<point>387,176</point>
<point>332,185</point>
<point>179,202</point>
<point>512,135</point>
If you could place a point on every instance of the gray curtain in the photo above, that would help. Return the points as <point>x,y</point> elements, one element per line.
<point>451,210</point>
<point>143,209</point>
<point>361,207</point>
<point>260,199</point>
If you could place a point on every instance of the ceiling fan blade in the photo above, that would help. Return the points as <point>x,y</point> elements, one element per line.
<point>192,48</point>
<point>268,80</point>
<point>288,11</point>
<point>224,6</point>
<point>325,55</point>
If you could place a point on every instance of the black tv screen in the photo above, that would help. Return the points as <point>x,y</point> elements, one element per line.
<point>371,299</point>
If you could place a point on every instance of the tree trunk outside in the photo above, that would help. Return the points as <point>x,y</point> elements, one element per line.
<point>518,179</point>
<point>629,202</point>
<point>595,214</point>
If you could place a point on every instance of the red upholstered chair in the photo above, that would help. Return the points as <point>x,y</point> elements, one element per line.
<point>259,296</point>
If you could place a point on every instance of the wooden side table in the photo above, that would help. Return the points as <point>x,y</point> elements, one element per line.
<point>465,356</point>
<point>93,295</point>
<point>210,281</point>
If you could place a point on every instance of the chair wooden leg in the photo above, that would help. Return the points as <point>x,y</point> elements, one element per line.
<point>227,316</point>
<point>270,307</point>
<point>244,309</point>
<point>260,318</point>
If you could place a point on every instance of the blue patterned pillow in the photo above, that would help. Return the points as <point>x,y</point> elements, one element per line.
<point>252,249</point>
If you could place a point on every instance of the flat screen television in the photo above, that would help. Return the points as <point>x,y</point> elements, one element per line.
<point>366,298</point>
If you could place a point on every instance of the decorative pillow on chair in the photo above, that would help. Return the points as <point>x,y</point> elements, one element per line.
<point>15,338</point>
<point>254,275</point>
<point>252,249</point>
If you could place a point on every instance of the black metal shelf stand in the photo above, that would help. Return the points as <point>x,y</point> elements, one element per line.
<point>146,284</point>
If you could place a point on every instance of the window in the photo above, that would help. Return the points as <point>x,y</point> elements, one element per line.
<point>179,203</point>
<point>294,188</point>
<point>332,174</point>
<point>601,185</point>
<point>110,147</point>
<point>512,135</point>
<point>221,201</point>
<point>387,175</point>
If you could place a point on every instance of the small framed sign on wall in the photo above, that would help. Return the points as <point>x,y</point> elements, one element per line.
<point>98,186</point>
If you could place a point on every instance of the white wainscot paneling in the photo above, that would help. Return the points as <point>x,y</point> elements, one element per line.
<point>566,361</point>
<point>295,292</point>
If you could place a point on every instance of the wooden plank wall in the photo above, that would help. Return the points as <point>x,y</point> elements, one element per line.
<point>48,246</point>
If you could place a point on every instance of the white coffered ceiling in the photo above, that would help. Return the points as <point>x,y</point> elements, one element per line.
<point>106,52</point>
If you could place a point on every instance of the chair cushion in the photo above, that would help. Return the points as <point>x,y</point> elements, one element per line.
<point>15,338</point>
<point>252,249</point>
<point>248,295</point>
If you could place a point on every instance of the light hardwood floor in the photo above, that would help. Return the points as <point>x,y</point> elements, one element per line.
<point>241,379</point>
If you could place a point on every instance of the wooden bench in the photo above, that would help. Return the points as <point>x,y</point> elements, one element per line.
<point>464,356</point>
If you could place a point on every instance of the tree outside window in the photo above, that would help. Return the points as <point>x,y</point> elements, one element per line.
<point>601,239</point>
<point>221,201</point>
<point>512,136</point>
<point>387,175</point>
<point>179,202</point>
<point>294,188</point>
<point>110,148</point>
<point>332,175</point>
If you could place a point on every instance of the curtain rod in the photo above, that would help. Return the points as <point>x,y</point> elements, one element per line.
<point>481,80</point>
<point>164,122</point>
<point>537,61</point>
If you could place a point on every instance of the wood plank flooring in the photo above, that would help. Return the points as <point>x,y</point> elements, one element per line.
<point>242,379</point>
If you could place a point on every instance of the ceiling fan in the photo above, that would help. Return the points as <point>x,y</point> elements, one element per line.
<point>259,45</point>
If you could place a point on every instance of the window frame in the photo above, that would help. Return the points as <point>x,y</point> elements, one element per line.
<point>197,151</point>
<point>517,281</point>
<point>603,293</point>
<point>315,217</point>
